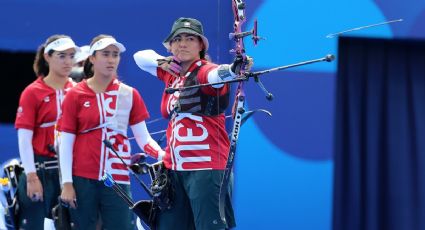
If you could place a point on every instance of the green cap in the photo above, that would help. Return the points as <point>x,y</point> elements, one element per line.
<point>189,26</point>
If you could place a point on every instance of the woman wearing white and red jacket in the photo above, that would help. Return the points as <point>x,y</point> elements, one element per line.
<point>38,111</point>
<point>197,141</point>
<point>98,108</point>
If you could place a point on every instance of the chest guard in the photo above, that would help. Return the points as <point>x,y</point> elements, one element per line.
<point>196,102</point>
<point>119,121</point>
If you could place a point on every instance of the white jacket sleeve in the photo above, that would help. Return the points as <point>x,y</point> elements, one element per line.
<point>147,60</point>
<point>145,141</point>
<point>26,151</point>
<point>220,74</point>
<point>66,148</point>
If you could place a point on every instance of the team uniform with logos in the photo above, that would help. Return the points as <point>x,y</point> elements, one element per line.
<point>197,150</point>
<point>38,111</point>
<point>94,117</point>
<point>195,141</point>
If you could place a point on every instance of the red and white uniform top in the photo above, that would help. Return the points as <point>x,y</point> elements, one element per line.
<point>194,142</point>
<point>39,109</point>
<point>94,117</point>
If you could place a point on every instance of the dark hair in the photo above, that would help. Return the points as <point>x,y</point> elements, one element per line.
<point>203,52</point>
<point>40,66</point>
<point>88,66</point>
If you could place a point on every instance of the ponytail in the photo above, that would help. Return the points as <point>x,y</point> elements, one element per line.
<point>40,66</point>
<point>88,68</point>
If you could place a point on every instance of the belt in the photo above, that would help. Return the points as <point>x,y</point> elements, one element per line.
<point>54,164</point>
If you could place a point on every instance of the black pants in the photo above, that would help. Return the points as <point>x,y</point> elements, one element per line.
<point>94,201</point>
<point>196,203</point>
<point>31,214</point>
